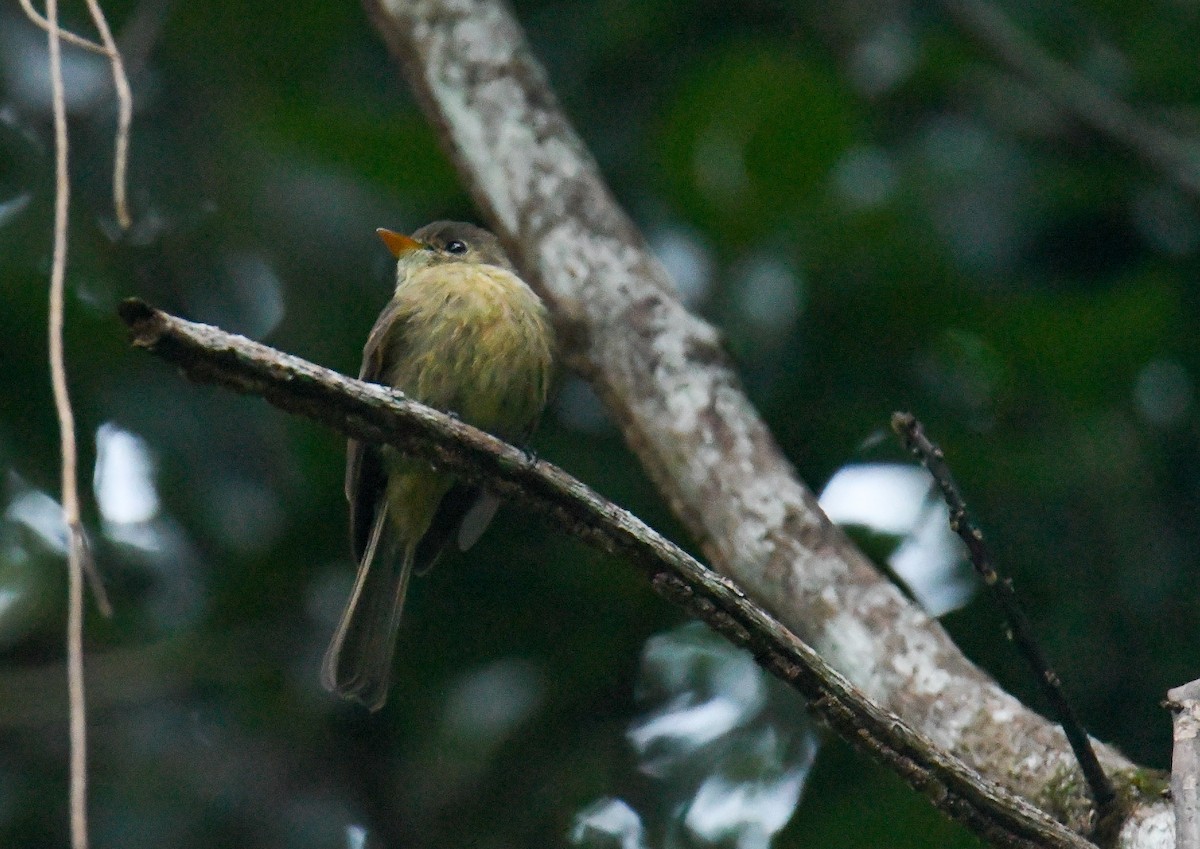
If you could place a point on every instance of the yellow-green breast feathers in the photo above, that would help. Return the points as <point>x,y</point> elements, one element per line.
<point>473,340</point>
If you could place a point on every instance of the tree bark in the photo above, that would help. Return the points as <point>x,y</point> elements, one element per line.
<point>1184,702</point>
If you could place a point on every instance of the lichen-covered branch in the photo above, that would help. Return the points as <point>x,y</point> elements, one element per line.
<point>371,412</point>
<point>1184,703</point>
<point>667,382</point>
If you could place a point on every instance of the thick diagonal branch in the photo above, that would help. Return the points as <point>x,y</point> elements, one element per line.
<point>1184,702</point>
<point>370,412</point>
<point>665,378</point>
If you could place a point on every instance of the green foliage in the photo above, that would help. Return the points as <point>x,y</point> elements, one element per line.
<point>750,139</point>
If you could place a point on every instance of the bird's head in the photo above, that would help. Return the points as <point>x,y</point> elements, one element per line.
<point>444,242</point>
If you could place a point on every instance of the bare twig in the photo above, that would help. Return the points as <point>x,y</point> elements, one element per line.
<point>1102,111</point>
<point>668,384</point>
<point>124,115</point>
<point>69,37</point>
<point>140,33</point>
<point>79,562</point>
<point>124,105</point>
<point>370,412</point>
<point>1184,703</point>
<point>1020,630</point>
<point>62,196</point>
<point>76,550</point>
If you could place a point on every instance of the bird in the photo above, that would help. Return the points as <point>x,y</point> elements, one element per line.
<point>462,333</point>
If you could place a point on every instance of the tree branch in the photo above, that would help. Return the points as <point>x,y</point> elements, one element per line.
<point>667,382</point>
<point>912,433</point>
<point>1088,103</point>
<point>1184,702</point>
<point>371,412</point>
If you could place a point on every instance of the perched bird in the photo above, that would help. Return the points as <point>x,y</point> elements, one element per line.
<point>462,333</point>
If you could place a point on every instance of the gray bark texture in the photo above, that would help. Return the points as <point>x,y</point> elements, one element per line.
<point>1185,763</point>
<point>668,383</point>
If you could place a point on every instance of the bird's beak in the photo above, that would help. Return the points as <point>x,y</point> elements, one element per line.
<point>398,243</point>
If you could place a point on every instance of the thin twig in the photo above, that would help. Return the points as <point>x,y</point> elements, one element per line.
<point>67,36</point>
<point>1184,703</point>
<point>124,115</point>
<point>1093,106</point>
<point>87,563</point>
<point>76,553</point>
<point>140,33</point>
<point>120,202</point>
<point>124,111</point>
<point>931,456</point>
<point>373,413</point>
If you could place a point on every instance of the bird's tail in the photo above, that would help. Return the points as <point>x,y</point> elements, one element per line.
<point>358,662</point>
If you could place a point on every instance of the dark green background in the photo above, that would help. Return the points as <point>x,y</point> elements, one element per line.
<point>933,236</point>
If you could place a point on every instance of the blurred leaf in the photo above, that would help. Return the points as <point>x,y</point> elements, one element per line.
<point>751,138</point>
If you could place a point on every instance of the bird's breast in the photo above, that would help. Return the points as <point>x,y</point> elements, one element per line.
<point>475,341</point>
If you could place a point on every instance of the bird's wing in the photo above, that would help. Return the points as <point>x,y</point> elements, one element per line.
<point>463,515</point>
<point>465,511</point>
<point>365,477</point>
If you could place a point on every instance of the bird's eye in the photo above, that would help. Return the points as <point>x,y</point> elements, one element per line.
<point>456,247</point>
